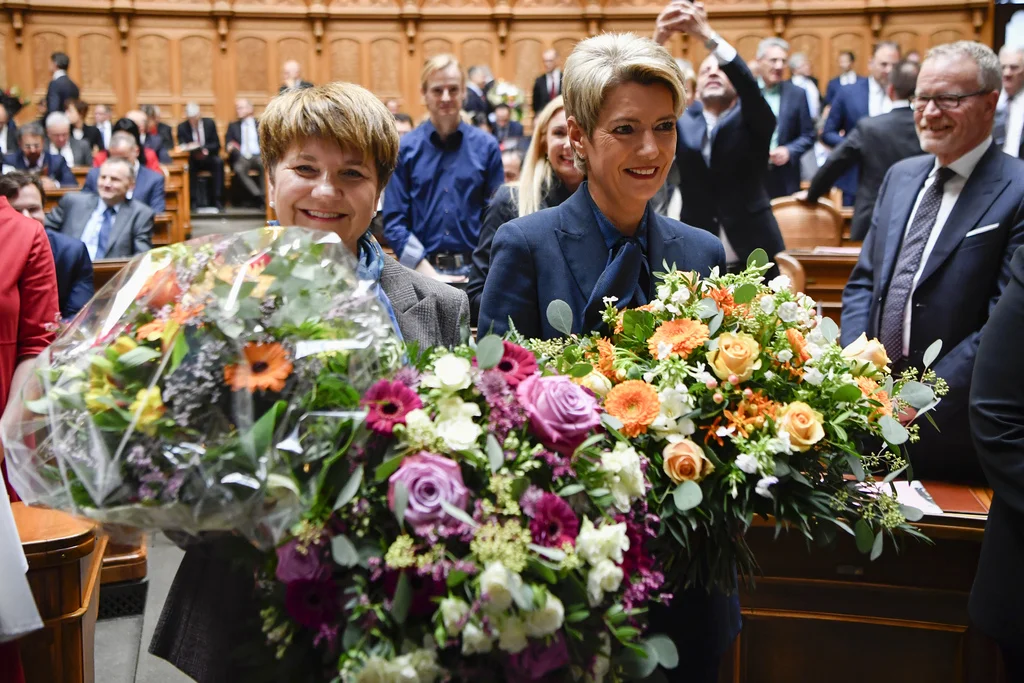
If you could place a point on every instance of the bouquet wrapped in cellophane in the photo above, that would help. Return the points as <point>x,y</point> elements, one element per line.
<point>160,406</point>
<point>740,395</point>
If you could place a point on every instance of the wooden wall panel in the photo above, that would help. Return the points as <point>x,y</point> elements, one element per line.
<point>170,52</point>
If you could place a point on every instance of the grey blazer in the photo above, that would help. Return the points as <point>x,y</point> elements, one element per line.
<point>133,227</point>
<point>209,627</point>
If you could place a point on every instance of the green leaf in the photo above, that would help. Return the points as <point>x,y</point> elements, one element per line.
<point>668,655</point>
<point>687,496</point>
<point>912,514</point>
<point>706,308</point>
<point>257,440</point>
<point>570,490</point>
<point>638,324</point>
<point>848,393</point>
<point>638,666</point>
<point>892,431</point>
<point>403,599</point>
<point>495,455</point>
<point>757,258</point>
<point>876,547</point>
<point>716,322</point>
<point>932,352</point>
<point>829,329</point>
<point>590,441</point>
<point>387,468</point>
<point>344,552</point>
<point>560,316</point>
<point>581,370</point>
<point>887,387</point>
<point>401,502</point>
<point>352,635</point>
<point>39,406</point>
<point>350,489</point>
<point>745,293</point>
<point>553,554</point>
<point>892,475</point>
<point>917,395</point>
<point>577,617</point>
<point>543,571</point>
<point>611,422</point>
<point>489,351</point>
<point>138,356</point>
<point>458,514</point>
<point>865,537</point>
<point>179,352</point>
<point>456,578</point>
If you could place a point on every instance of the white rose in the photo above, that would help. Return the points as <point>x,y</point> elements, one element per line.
<point>453,407</point>
<point>596,382</point>
<point>656,306</point>
<point>747,463</point>
<point>546,620</point>
<point>451,373</point>
<point>459,434</point>
<point>474,640</point>
<point>767,305</point>
<point>375,670</point>
<point>453,615</point>
<point>512,636</point>
<point>425,663</point>
<point>402,670</point>
<point>788,311</point>
<point>761,488</point>
<point>621,467</point>
<point>608,541</point>
<point>780,283</point>
<point>496,586</point>
<point>605,577</point>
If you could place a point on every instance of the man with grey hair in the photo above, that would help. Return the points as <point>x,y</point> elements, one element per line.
<point>198,135</point>
<point>937,254</point>
<point>291,74</point>
<point>109,223</point>
<point>243,143</point>
<point>58,132</point>
<point>149,185</point>
<point>32,156</point>
<point>800,70</point>
<point>1010,110</point>
<point>794,127</point>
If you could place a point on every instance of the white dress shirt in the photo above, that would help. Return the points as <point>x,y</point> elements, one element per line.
<point>813,96</point>
<point>878,101</point>
<point>1014,124</point>
<point>963,167</point>
<point>91,233</point>
<point>250,146</point>
<point>105,133</point>
<point>848,78</point>
<point>65,152</point>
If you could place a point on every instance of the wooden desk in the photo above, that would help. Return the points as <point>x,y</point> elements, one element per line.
<point>65,558</point>
<point>833,615</point>
<point>827,273</point>
<point>104,270</point>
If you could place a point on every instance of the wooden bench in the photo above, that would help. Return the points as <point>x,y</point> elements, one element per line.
<point>826,271</point>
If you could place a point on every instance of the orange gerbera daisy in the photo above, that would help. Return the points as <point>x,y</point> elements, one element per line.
<point>606,359</point>
<point>635,403</point>
<point>799,345</point>
<point>684,335</point>
<point>266,368</point>
<point>870,388</point>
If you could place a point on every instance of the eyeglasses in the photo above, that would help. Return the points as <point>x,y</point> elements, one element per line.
<point>945,101</point>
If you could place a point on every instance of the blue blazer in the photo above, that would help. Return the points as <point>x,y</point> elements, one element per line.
<point>149,187</point>
<point>796,132</point>
<point>559,253</point>
<point>833,88</point>
<point>960,284</point>
<point>74,273</point>
<point>58,168</point>
<point>849,107</point>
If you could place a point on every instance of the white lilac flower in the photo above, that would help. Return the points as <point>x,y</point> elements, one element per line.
<point>813,376</point>
<point>761,488</point>
<point>605,577</point>
<point>622,474</point>
<point>475,641</point>
<point>785,355</point>
<point>780,283</point>
<point>681,296</point>
<point>451,373</point>
<point>664,350</point>
<point>788,311</point>
<point>664,292</point>
<point>747,463</point>
<point>608,541</point>
<point>767,305</point>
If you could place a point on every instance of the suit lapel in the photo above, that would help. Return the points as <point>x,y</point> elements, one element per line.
<point>694,126</point>
<point>121,222</point>
<point>82,218</point>
<point>905,188</point>
<point>581,242</point>
<point>983,187</point>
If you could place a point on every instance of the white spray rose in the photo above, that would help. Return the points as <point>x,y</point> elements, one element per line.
<point>605,577</point>
<point>512,636</point>
<point>546,620</point>
<point>451,374</point>
<point>496,586</point>
<point>475,641</point>
<point>608,541</point>
<point>622,474</point>
<point>459,434</point>
<point>788,311</point>
<point>453,615</point>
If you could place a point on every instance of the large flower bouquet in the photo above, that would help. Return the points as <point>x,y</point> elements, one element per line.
<point>159,406</point>
<point>491,527</point>
<point>740,397</point>
<point>508,94</point>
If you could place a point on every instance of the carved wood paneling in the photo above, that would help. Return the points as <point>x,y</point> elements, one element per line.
<point>295,48</point>
<point>346,61</point>
<point>857,43</point>
<point>252,72</point>
<point>948,35</point>
<point>477,51</point>
<point>747,44</point>
<point>907,40</point>
<point>384,78</point>
<point>564,47</point>
<point>45,43</point>
<point>196,65</point>
<point>154,64</point>
<point>3,60</point>
<point>96,53</point>
<point>807,43</point>
<point>435,46</point>
<point>528,63</point>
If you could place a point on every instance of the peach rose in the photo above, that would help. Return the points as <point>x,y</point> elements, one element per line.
<point>802,423</point>
<point>867,351</point>
<point>596,382</point>
<point>685,461</point>
<point>737,354</point>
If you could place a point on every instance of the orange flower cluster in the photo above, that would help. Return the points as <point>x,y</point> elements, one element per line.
<point>723,298</point>
<point>684,335</point>
<point>751,413</point>
<point>799,345</point>
<point>266,369</point>
<point>870,388</point>
<point>606,359</point>
<point>635,403</point>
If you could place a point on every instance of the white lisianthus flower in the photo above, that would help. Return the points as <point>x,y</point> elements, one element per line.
<point>816,338</point>
<point>622,474</point>
<point>375,670</point>
<point>813,376</point>
<point>451,374</point>
<point>657,306</point>
<point>419,429</point>
<point>602,662</point>
<point>747,463</point>
<point>605,577</point>
<point>453,615</point>
<point>675,402</point>
<point>761,488</point>
<point>767,305</point>
<point>459,434</point>
<point>512,635</point>
<point>788,311</point>
<point>496,586</point>
<point>681,296</point>
<point>664,292</point>
<point>475,641</point>
<point>779,443</point>
<point>608,541</point>
<point>785,355</point>
<point>780,283</point>
<point>546,620</point>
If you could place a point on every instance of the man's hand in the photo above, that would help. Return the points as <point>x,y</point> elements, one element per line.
<point>682,16</point>
<point>425,268</point>
<point>779,156</point>
<point>801,195</point>
<point>48,183</point>
<point>233,146</point>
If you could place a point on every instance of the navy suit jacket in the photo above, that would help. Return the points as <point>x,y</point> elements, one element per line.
<point>559,253</point>
<point>960,284</point>
<point>796,132</point>
<point>58,168</point>
<point>833,88</point>
<point>849,107</point>
<point>514,129</point>
<point>476,103</point>
<point>149,188</point>
<point>58,92</point>
<point>731,192</point>
<point>74,273</point>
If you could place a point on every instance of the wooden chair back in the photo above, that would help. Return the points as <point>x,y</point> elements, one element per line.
<point>791,267</point>
<point>805,226</point>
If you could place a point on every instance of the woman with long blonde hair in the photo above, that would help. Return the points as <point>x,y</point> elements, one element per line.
<point>548,177</point>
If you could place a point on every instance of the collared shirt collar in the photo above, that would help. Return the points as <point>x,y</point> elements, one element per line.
<point>453,141</point>
<point>965,165</point>
<point>901,104</point>
<point>474,88</point>
<point>764,87</point>
<point>58,73</point>
<point>609,232</point>
<point>875,86</point>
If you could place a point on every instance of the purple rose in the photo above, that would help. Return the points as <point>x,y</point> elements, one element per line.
<point>300,563</point>
<point>538,660</point>
<point>561,412</point>
<point>430,480</point>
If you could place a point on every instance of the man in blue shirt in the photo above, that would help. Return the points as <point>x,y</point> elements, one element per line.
<point>447,172</point>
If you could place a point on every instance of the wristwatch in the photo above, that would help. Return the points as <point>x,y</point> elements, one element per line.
<point>712,43</point>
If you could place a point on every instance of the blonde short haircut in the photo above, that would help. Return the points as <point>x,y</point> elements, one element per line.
<point>344,113</point>
<point>603,62</point>
<point>439,63</point>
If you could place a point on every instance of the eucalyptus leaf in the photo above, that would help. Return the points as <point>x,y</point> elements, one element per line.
<point>706,308</point>
<point>932,352</point>
<point>687,496</point>
<point>912,514</point>
<point>847,393</point>
<point>570,490</point>
<point>489,351</point>
<point>611,421</point>
<point>350,638</point>
<point>350,489</point>
<point>458,514</point>
<point>560,316</point>
<point>856,466</point>
<point>757,258</point>
<point>553,554</point>
<point>829,329</point>
<point>401,502</point>
<point>138,356</point>
<point>865,537</point>
<point>716,322</point>
<point>745,293</point>
<point>668,655</point>
<point>887,386</point>
<point>581,370</point>
<point>387,468</point>
<point>892,431</point>
<point>344,551</point>
<point>402,600</point>
<point>892,475</point>
<point>495,455</point>
<point>917,395</point>
<point>876,547</point>
<point>638,666</point>
<point>782,468</point>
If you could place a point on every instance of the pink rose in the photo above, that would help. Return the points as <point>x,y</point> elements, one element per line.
<point>561,413</point>
<point>430,479</point>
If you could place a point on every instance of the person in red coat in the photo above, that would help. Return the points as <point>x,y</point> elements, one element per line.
<point>28,311</point>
